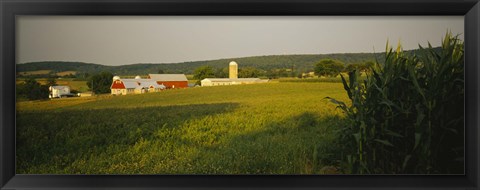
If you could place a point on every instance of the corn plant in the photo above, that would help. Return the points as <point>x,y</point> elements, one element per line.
<point>407,116</point>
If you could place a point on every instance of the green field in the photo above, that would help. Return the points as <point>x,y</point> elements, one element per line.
<point>36,72</point>
<point>273,128</point>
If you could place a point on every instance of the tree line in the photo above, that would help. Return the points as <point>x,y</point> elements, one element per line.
<point>31,89</point>
<point>325,68</point>
<point>332,68</point>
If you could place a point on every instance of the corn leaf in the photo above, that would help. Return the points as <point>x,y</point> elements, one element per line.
<point>384,142</point>
<point>418,136</point>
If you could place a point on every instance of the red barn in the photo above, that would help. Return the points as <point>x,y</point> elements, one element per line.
<point>170,80</point>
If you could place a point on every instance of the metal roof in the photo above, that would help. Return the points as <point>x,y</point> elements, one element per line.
<point>59,87</point>
<point>246,79</point>
<point>129,84</point>
<point>218,79</point>
<point>141,83</point>
<point>152,83</point>
<point>231,80</point>
<point>168,77</point>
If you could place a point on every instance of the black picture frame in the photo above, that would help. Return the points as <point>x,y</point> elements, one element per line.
<point>9,9</point>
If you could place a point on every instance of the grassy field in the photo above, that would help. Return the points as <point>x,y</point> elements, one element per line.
<point>66,73</point>
<point>45,72</point>
<point>39,72</point>
<point>273,128</point>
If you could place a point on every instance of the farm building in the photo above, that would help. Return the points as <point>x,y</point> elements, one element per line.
<point>59,92</point>
<point>233,78</point>
<point>134,86</point>
<point>227,81</point>
<point>170,80</point>
<point>85,94</point>
<point>309,74</point>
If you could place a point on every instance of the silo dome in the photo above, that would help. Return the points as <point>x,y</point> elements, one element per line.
<point>233,70</point>
<point>138,77</point>
<point>116,77</point>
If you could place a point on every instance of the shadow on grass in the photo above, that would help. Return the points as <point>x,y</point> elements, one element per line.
<point>55,139</point>
<point>298,145</point>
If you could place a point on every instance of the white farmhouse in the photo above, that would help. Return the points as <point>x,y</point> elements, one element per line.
<point>59,91</point>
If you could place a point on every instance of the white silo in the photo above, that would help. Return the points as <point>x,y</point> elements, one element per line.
<point>233,70</point>
<point>138,77</point>
<point>116,78</point>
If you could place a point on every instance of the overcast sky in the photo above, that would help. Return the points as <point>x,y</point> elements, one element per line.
<point>161,39</point>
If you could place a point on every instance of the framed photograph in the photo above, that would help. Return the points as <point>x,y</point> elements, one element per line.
<point>239,94</point>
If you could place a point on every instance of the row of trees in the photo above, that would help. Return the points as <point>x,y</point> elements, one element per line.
<point>203,72</point>
<point>325,67</point>
<point>209,72</point>
<point>33,90</point>
<point>331,67</point>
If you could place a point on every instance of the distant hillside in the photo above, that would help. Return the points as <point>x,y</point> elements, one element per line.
<point>298,62</point>
<point>61,66</point>
<point>302,63</point>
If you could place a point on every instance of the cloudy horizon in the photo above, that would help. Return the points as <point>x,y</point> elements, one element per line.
<point>123,40</point>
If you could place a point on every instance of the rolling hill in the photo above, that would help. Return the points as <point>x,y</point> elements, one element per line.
<point>302,63</point>
<point>298,62</point>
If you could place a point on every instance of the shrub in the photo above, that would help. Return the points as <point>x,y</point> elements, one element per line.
<point>31,90</point>
<point>329,67</point>
<point>407,116</point>
<point>100,83</point>
<point>203,72</point>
